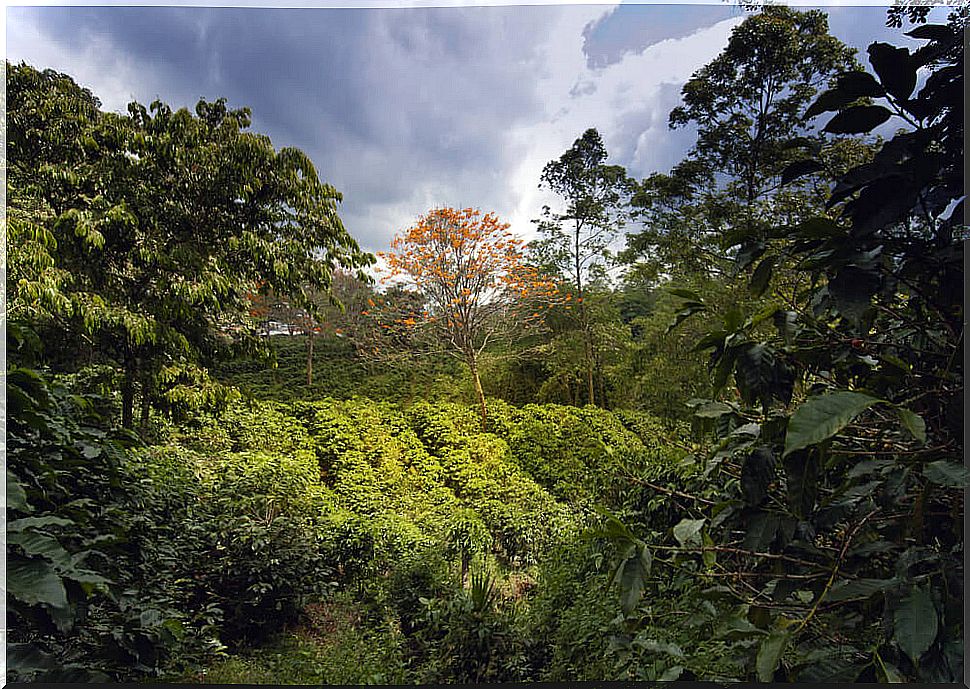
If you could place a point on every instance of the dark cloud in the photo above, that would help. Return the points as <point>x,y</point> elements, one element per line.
<point>403,108</point>
<point>634,28</point>
<point>384,101</point>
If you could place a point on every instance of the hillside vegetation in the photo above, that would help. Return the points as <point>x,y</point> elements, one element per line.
<point>740,458</point>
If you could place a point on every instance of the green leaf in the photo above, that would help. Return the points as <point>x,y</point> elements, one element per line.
<point>738,628</point>
<point>16,497</point>
<point>709,556</point>
<point>895,68</point>
<point>35,582</point>
<point>714,410</point>
<point>858,119</point>
<point>801,478</point>
<point>946,473</point>
<point>769,654</point>
<point>757,473</point>
<point>852,289</point>
<point>888,673</point>
<point>932,32</point>
<point>687,529</point>
<point>690,310</point>
<point>634,573</point>
<point>850,87</point>
<point>821,417</point>
<point>818,228</point>
<point>913,423</point>
<point>761,531</point>
<point>761,276</point>
<point>41,544</point>
<point>712,339</point>
<point>858,589</point>
<point>37,523</point>
<point>785,323</point>
<point>28,658</point>
<point>829,670</point>
<point>800,168</point>
<point>654,646</point>
<point>755,373</point>
<point>686,294</point>
<point>915,623</point>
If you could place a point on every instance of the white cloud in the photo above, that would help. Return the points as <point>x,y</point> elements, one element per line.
<point>110,75</point>
<point>623,101</point>
<point>449,107</point>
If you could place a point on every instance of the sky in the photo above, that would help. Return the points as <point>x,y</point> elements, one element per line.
<point>406,109</point>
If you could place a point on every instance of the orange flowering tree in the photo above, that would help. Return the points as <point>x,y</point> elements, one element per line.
<point>471,272</point>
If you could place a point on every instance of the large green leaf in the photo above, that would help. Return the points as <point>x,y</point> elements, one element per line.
<point>761,276</point>
<point>770,652</point>
<point>829,669</point>
<point>800,168</point>
<point>38,523</point>
<point>16,497</point>
<point>28,658</point>
<point>757,472</point>
<point>946,473</point>
<point>44,545</point>
<point>850,87</point>
<point>888,673</point>
<point>761,531</point>
<point>858,589</point>
<point>801,479</point>
<point>913,423</point>
<point>634,573</point>
<point>858,120</point>
<point>714,410</point>
<point>935,32</point>
<point>35,582</point>
<point>687,530</point>
<point>895,68</point>
<point>821,417</point>
<point>915,623</point>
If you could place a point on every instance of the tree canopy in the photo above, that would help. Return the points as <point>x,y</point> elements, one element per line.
<point>150,277</point>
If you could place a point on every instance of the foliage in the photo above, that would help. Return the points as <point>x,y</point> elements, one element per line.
<point>343,516</point>
<point>594,193</point>
<point>847,427</point>
<point>469,268</point>
<point>747,105</point>
<point>93,593</point>
<point>155,279</point>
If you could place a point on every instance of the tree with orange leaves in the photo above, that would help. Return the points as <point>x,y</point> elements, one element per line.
<point>472,273</point>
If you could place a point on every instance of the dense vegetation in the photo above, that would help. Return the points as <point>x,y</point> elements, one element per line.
<point>740,460</point>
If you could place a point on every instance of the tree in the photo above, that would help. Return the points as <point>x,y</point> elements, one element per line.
<point>146,232</point>
<point>594,193</point>
<point>846,429</point>
<point>470,271</point>
<point>747,106</point>
<point>748,102</point>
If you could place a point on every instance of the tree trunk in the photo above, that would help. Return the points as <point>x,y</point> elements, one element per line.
<point>473,365</point>
<point>309,358</point>
<point>584,316</point>
<point>146,399</point>
<point>128,393</point>
<point>601,379</point>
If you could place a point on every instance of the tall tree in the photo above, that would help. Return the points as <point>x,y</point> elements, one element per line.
<point>747,106</point>
<point>145,232</point>
<point>470,270</point>
<point>576,241</point>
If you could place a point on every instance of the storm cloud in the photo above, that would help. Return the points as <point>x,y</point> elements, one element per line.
<point>403,109</point>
